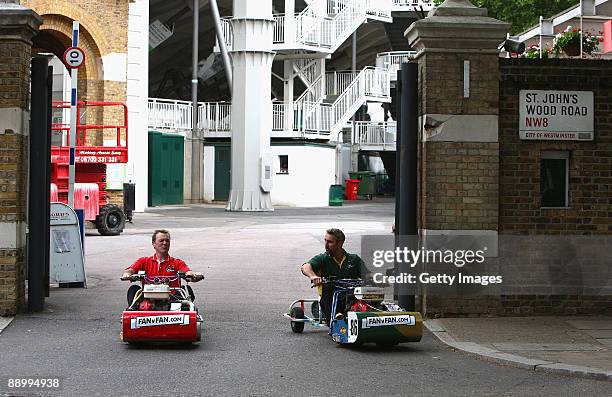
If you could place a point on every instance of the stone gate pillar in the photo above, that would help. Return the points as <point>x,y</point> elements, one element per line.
<point>457,53</point>
<point>17,27</point>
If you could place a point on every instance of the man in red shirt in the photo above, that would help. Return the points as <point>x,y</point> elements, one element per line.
<point>160,264</point>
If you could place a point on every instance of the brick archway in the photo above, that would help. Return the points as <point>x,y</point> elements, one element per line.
<point>72,12</point>
<point>55,36</point>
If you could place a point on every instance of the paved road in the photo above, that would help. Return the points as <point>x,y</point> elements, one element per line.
<point>251,262</point>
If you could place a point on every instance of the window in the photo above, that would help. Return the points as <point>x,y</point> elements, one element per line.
<point>554,178</point>
<point>283,159</point>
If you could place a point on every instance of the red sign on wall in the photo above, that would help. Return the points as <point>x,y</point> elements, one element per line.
<point>100,156</point>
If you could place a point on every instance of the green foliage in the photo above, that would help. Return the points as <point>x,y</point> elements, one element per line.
<point>522,14</point>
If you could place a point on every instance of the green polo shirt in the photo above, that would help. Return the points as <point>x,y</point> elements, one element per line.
<point>325,265</point>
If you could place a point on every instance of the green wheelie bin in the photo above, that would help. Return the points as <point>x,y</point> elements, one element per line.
<point>367,184</point>
<point>335,195</point>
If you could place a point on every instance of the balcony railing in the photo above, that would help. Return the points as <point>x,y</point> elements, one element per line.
<point>401,5</point>
<point>214,117</point>
<point>303,120</point>
<point>392,61</point>
<point>378,134</point>
<point>168,114</point>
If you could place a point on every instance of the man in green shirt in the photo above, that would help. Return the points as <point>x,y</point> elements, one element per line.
<point>335,261</point>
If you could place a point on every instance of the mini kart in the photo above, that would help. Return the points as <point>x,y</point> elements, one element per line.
<point>366,319</point>
<point>161,313</point>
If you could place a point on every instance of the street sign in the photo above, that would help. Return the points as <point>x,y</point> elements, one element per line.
<point>74,57</point>
<point>556,115</point>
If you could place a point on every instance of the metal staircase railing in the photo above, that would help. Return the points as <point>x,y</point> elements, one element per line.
<point>322,32</point>
<point>370,84</point>
<point>337,82</point>
<point>310,72</point>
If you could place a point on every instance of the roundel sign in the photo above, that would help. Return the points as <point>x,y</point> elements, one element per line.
<point>74,57</point>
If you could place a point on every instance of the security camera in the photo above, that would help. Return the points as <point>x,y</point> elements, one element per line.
<point>513,46</point>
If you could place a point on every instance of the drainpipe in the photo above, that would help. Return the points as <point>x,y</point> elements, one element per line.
<point>196,144</point>
<point>222,46</point>
<point>338,159</point>
<point>354,147</point>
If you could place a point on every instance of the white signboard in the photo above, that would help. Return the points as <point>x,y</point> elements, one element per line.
<point>556,115</point>
<point>154,321</point>
<point>158,33</point>
<point>383,321</point>
<point>66,253</point>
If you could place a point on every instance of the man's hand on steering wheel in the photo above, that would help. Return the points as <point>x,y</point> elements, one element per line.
<point>195,276</point>
<point>127,275</point>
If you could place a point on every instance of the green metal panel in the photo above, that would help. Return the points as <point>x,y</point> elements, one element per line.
<point>223,163</point>
<point>166,160</point>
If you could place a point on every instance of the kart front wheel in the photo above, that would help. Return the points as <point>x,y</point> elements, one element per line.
<point>297,326</point>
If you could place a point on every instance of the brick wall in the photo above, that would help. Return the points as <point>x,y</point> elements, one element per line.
<point>13,188</point>
<point>14,86</point>
<point>115,197</point>
<point>459,180</point>
<point>12,281</point>
<point>443,92</point>
<point>590,163</point>
<point>461,186</point>
<point>105,20</point>
<point>14,71</point>
<point>590,183</point>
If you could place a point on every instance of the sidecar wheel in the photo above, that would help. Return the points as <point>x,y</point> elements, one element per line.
<point>297,326</point>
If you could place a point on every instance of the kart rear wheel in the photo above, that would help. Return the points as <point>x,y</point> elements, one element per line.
<point>110,221</point>
<point>297,326</point>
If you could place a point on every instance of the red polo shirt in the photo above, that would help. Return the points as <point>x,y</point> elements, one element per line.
<point>153,268</point>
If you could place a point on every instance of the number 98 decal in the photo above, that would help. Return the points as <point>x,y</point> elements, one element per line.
<point>353,327</point>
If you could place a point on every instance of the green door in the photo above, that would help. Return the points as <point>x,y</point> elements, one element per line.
<point>166,159</point>
<point>223,164</point>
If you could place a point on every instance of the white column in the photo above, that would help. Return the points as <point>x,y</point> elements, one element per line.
<point>288,93</point>
<point>251,106</point>
<point>137,96</point>
<point>322,71</point>
<point>290,28</point>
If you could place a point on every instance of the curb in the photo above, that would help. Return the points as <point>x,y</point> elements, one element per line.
<point>4,322</point>
<point>499,357</point>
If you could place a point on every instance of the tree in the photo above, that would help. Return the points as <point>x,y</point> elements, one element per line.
<point>522,14</point>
